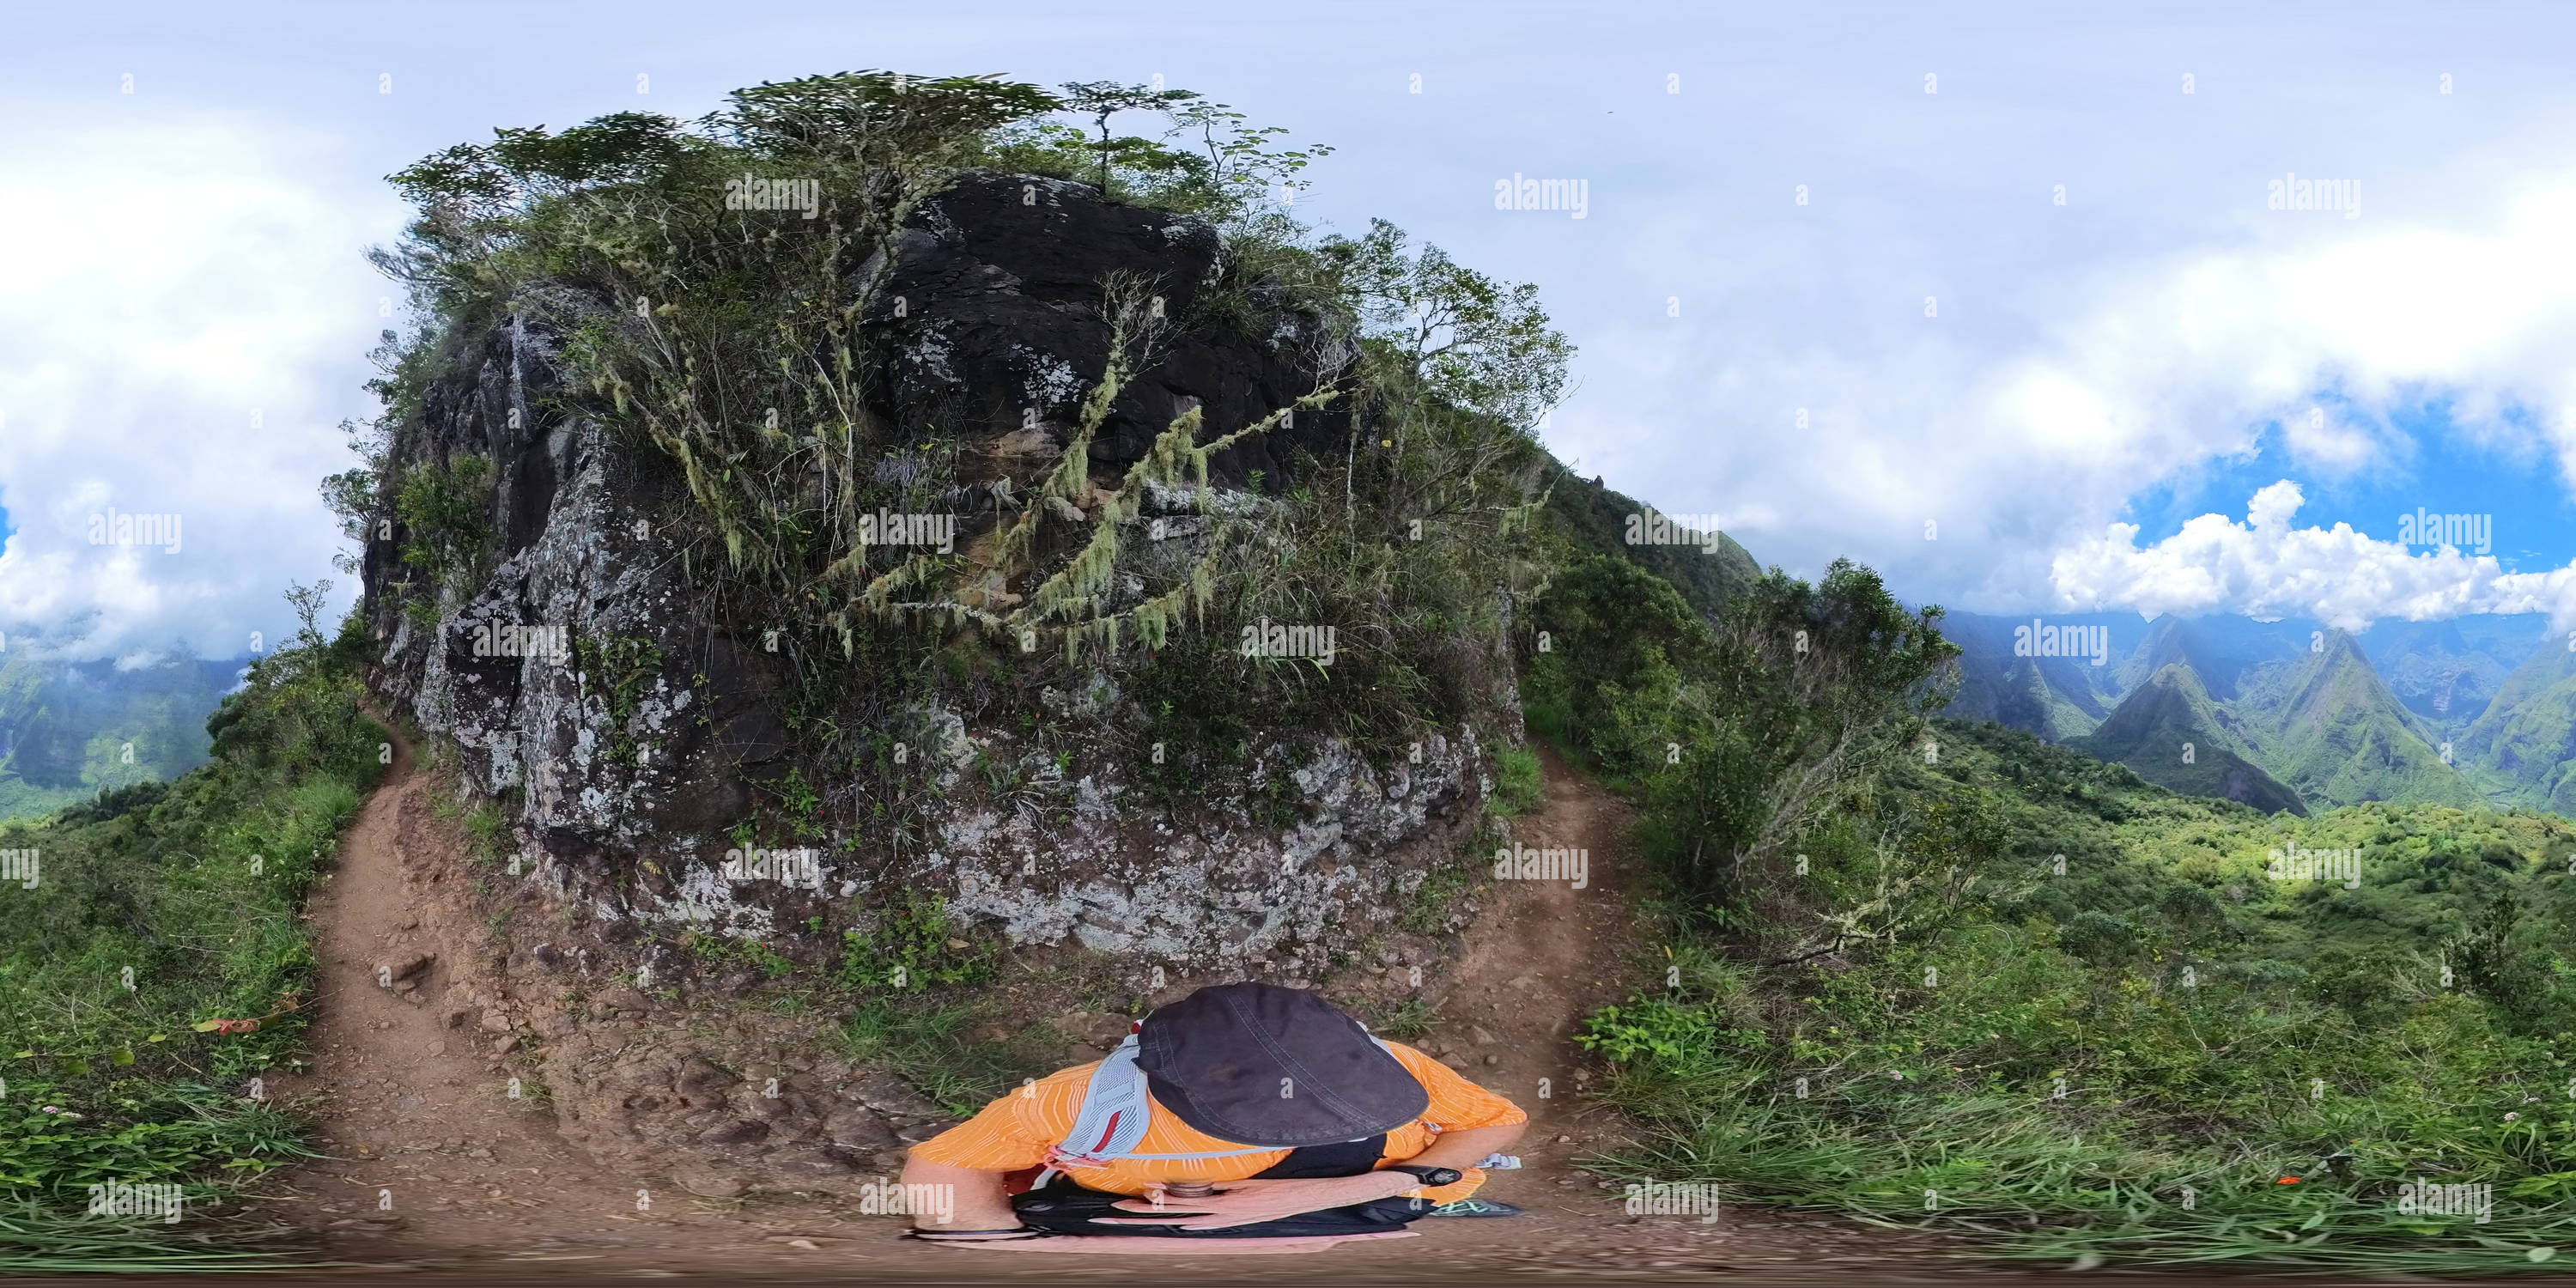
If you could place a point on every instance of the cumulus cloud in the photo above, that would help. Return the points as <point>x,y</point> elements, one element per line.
<point>2049,402</point>
<point>184,313</point>
<point>2266,568</point>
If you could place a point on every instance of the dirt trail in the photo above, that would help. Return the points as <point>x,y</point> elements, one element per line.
<point>434,1166</point>
<point>431,1156</point>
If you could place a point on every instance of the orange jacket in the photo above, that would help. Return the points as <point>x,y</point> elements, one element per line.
<point>1016,1132</point>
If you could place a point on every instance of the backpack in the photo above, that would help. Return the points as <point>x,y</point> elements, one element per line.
<point>1115,1114</point>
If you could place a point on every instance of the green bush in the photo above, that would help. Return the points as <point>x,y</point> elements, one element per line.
<point>442,507</point>
<point>909,948</point>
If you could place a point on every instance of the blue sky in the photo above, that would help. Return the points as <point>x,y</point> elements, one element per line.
<point>184,311</point>
<point>2440,470</point>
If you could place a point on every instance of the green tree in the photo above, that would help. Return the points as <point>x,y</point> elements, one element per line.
<point>1101,100</point>
<point>1807,694</point>
<point>1613,631</point>
<point>1465,339</point>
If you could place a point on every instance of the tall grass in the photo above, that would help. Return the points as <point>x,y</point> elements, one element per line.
<point>925,1040</point>
<point>2073,1112</point>
<point>2159,1057</point>
<point>161,908</point>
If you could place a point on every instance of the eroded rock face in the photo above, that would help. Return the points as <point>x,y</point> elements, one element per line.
<point>1213,888</point>
<point>583,679</point>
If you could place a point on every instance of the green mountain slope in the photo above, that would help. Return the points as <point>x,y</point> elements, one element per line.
<point>2056,698</point>
<point>2033,697</point>
<point>2524,744</point>
<point>2173,735</point>
<point>1594,519</point>
<point>2447,672</point>
<point>69,730</point>
<point>2340,736</point>
<point>2223,652</point>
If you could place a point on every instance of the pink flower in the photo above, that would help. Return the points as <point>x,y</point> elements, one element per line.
<point>2511,1117</point>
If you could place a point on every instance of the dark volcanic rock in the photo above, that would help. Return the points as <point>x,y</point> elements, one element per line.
<point>588,679</point>
<point>1001,279</point>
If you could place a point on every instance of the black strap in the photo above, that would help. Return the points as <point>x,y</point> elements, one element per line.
<point>1341,1158</point>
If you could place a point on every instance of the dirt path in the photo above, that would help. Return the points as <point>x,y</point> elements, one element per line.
<point>434,1166</point>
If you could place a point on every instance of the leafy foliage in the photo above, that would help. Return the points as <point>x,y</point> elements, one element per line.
<point>746,352</point>
<point>1745,734</point>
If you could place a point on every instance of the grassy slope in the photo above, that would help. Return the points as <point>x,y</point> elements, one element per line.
<point>2057,697</point>
<point>2035,698</point>
<point>2314,1020</point>
<point>2447,671</point>
<point>110,1082</point>
<point>2524,743</point>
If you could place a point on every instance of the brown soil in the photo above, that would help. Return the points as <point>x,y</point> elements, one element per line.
<point>433,1166</point>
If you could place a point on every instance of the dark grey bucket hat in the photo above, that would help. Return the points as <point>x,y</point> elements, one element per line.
<point>1256,1064</point>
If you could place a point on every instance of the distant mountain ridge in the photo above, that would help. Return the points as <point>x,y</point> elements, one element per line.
<point>2342,737</point>
<point>2174,735</point>
<point>2524,740</point>
<point>69,730</point>
<point>1707,571</point>
<point>2293,714</point>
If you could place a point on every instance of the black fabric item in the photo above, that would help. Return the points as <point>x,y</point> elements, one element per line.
<point>1063,1207</point>
<point>1257,1064</point>
<point>1344,1158</point>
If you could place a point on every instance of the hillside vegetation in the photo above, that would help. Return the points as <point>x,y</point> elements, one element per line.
<point>1120,524</point>
<point>2171,734</point>
<point>156,911</point>
<point>1947,975</point>
<point>2236,709</point>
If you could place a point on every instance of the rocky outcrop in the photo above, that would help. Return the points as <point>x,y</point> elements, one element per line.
<point>589,684</point>
<point>999,279</point>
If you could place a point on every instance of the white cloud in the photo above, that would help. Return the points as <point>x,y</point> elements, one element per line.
<point>184,312</point>
<point>2322,441</point>
<point>2266,568</point>
<point>2038,420</point>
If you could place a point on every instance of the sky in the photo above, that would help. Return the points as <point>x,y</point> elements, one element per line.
<point>1992,298</point>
